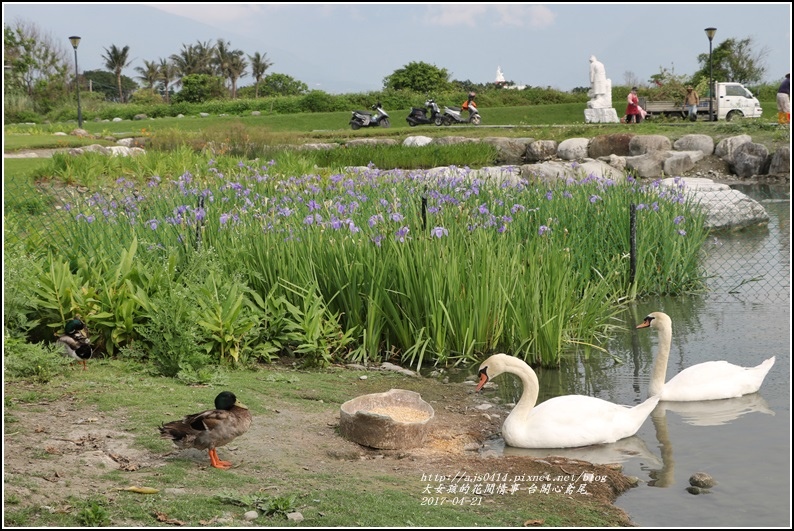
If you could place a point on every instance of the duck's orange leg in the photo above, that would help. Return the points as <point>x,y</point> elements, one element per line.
<point>216,462</point>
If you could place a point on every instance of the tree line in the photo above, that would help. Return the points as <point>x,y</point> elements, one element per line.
<point>39,74</point>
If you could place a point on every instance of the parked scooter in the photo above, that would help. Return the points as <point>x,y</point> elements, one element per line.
<point>454,115</point>
<point>429,114</point>
<point>366,119</point>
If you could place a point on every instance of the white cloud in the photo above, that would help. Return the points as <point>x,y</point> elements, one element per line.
<point>455,15</point>
<point>517,15</point>
<point>213,14</point>
<point>534,16</point>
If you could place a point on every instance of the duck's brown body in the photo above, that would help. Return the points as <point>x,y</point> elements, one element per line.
<point>210,429</point>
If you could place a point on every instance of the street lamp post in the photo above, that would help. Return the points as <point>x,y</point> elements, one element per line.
<point>710,33</point>
<point>75,40</point>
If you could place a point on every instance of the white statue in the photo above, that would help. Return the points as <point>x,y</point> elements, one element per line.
<point>500,77</point>
<point>599,108</point>
<point>600,87</point>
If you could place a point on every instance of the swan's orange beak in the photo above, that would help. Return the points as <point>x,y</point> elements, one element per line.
<point>483,381</point>
<point>646,323</point>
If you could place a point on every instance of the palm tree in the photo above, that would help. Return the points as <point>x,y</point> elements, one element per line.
<point>116,60</point>
<point>259,65</point>
<point>194,59</point>
<point>168,75</point>
<point>149,73</point>
<point>236,71</point>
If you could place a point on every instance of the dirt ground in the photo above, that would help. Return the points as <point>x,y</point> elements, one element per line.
<point>65,450</point>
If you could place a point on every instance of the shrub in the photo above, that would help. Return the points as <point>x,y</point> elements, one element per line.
<point>37,362</point>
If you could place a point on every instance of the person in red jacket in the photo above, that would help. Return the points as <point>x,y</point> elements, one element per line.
<point>633,107</point>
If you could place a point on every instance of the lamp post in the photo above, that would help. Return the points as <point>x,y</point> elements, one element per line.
<point>75,40</point>
<point>710,33</point>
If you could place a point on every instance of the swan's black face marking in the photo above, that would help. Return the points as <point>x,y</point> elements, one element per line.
<point>483,374</point>
<point>646,322</point>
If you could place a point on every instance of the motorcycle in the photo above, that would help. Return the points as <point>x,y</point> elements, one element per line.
<point>429,114</point>
<point>454,115</point>
<point>366,119</point>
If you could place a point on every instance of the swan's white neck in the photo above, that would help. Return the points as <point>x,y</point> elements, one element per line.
<point>529,381</point>
<point>659,372</point>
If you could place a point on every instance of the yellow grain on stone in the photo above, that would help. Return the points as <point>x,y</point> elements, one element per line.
<point>401,414</point>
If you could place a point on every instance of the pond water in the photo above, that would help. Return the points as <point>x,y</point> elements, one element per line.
<point>744,443</point>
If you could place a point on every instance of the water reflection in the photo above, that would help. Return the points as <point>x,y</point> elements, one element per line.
<point>716,412</point>
<point>618,452</point>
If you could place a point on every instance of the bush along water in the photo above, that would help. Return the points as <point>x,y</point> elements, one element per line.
<point>434,267</point>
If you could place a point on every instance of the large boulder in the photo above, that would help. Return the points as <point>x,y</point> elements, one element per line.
<point>449,140</point>
<point>726,147</point>
<point>371,142</point>
<point>750,159</point>
<point>573,149</point>
<point>781,162</point>
<point>417,141</point>
<point>605,145</point>
<point>541,150</point>
<point>678,163</point>
<point>642,144</point>
<point>647,166</point>
<point>702,143</point>
<point>509,150</point>
<point>725,208</point>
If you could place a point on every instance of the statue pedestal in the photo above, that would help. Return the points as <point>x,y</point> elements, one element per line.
<point>601,116</point>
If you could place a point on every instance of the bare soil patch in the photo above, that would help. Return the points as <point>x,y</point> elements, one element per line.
<point>58,449</point>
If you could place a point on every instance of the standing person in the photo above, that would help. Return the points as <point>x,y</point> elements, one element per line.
<point>633,107</point>
<point>784,101</point>
<point>691,101</point>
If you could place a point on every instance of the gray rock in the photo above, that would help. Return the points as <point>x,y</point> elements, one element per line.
<point>702,480</point>
<point>417,141</point>
<point>642,144</point>
<point>256,113</point>
<point>573,149</point>
<point>509,150</point>
<point>780,163</point>
<point>724,207</point>
<point>371,142</point>
<point>449,140</point>
<point>726,147</point>
<point>540,150</point>
<point>140,117</point>
<point>605,145</point>
<point>295,517</point>
<point>250,515</point>
<point>116,119</point>
<point>702,143</point>
<point>648,166</point>
<point>750,159</point>
<point>677,164</point>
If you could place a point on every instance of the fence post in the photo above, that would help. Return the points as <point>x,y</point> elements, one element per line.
<point>632,242</point>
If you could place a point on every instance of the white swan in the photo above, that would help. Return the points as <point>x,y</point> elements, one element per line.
<point>565,421</point>
<point>712,380</point>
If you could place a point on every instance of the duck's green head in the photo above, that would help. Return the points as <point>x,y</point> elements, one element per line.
<point>226,400</point>
<point>74,325</point>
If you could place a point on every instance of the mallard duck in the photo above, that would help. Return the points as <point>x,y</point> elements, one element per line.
<point>75,343</point>
<point>711,380</point>
<point>212,428</point>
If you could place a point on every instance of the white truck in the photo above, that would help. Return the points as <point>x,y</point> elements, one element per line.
<point>733,101</point>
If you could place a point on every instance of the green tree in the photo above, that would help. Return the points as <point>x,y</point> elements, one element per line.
<point>194,59</point>
<point>734,60</point>
<point>169,76</point>
<point>259,65</point>
<point>149,73</point>
<point>31,56</point>
<point>283,85</point>
<point>418,77</point>
<point>105,83</point>
<point>229,64</point>
<point>198,88</point>
<point>116,60</point>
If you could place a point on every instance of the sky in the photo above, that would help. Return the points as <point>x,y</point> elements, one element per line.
<point>346,48</point>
